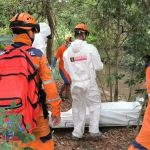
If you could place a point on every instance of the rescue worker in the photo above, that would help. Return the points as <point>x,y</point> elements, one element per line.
<point>59,55</point>
<point>24,26</point>
<point>142,141</point>
<point>40,40</point>
<point>81,61</point>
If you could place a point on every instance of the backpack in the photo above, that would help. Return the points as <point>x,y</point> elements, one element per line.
<point>18,83</point>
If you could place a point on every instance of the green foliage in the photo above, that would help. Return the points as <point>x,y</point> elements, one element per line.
<point>118,28</point>
<point>6,146</point>
<point>10,127</point>
<point>110,80</point>
<point>130,82</point>
<point>140,91</point>
<point>120,76</point>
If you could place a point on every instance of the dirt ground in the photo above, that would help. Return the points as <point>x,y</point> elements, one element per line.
<point>115,139</point>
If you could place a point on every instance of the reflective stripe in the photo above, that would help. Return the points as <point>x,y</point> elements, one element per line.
<point>48,81</point>
<point>53,100</point>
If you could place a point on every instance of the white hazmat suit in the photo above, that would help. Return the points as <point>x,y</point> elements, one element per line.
<point>81,61</point>
<point>40,40</point>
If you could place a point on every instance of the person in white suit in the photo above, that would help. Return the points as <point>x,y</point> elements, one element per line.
<point>40,40</point>
<point>81,61</point>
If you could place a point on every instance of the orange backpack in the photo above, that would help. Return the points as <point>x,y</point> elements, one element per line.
<point>18,84</point>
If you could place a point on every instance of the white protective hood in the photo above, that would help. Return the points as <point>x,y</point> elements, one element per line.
<point>84,71</point>
<point>40,40</point>
<point>77,45</point>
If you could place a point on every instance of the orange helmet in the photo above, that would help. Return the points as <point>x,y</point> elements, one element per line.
<point>81,27</point>
<point>23,22</point>
<point>69,39</point>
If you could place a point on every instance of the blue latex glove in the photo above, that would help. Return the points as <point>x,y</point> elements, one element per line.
<point>54,74</point>
<point>54,62</point>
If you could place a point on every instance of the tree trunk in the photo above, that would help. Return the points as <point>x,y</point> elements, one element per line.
<point>131,86</point>
<point>51,22</point>
<point>111,85</point>
<point>117,53</point>
<point>116,78</point>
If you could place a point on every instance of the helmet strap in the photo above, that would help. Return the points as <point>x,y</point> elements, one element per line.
<point>29,35</point>
<point>84,37</point>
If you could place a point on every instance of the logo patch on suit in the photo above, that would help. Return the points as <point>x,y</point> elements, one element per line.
<point>79,58</point>
<point>72,59</point>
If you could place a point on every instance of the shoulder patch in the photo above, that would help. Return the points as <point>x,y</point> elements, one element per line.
<point>35,52</point>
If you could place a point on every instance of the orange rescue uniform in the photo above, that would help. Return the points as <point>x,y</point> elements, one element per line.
<point>59,55</point>
<point>52,98</point>
<point>142,141</point>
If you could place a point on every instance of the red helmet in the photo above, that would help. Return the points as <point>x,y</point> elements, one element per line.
<point>23,22</point>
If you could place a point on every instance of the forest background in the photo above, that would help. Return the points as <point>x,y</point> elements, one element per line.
<point>119,29</point>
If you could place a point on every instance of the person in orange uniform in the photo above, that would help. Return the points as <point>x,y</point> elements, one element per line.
<point>66,78</point>
<point>142,141</point>
<point>24,26</point>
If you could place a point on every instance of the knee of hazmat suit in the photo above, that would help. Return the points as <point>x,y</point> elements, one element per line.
<point>25,27</point>
<point>40,40</point>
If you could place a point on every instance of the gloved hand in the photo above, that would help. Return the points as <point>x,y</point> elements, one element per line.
<point>54,74</point>
<point>54,62</point>
<point>55,120</point>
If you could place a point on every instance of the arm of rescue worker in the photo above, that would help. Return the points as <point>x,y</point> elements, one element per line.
<point>57,55</point>
<point>148,81</point>
<point>54,62</point>
<point>96,59</point>
<point>49,85</point>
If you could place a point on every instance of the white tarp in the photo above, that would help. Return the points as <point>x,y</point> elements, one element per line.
<point>112,114</point>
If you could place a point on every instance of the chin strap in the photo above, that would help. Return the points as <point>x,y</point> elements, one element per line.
<point>32,39</point>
